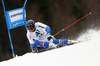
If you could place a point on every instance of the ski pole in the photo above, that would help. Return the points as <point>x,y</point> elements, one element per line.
<point>71,24</point>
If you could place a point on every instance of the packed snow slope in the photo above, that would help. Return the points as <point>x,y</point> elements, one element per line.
<point>86,53</point>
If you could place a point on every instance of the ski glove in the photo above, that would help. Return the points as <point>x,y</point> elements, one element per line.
<point>49,38</point>
<point>34,50</point>
<point>32,46</point>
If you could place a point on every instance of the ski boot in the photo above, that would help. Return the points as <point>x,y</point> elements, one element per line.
<point>52,45</point>
<point>71,42</point>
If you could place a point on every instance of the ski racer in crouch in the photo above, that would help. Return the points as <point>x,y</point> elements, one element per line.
<point>38,34</point>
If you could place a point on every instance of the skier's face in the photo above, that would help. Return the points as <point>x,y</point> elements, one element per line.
<point>31,29</point>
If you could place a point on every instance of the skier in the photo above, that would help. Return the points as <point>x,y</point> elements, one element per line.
<point>39,34</point>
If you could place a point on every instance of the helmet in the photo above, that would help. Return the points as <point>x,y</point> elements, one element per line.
<point>30,23</point>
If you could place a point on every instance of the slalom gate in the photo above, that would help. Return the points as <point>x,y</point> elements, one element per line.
<point>14,18</point>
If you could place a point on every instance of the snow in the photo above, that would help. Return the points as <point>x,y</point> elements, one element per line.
<point>86,53</point>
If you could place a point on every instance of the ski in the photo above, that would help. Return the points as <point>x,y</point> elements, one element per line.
<point>43,49</point>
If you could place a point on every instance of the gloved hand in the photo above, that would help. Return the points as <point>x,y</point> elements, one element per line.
<point>49,37</point>
<point>33,48</point>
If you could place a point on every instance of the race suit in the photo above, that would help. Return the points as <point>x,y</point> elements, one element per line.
<point>40,36</point>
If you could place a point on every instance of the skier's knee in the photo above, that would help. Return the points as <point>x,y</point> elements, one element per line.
<point>56,41</point>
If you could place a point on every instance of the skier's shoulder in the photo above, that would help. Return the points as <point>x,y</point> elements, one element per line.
<point>41,25</point>
<point>38,23</point>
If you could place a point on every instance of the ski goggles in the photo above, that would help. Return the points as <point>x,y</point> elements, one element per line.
<point>30,28</point>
